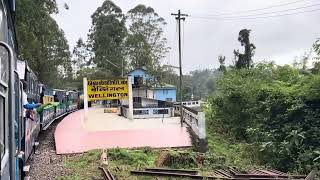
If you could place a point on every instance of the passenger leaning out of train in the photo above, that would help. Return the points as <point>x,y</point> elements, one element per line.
<point>29,107</point>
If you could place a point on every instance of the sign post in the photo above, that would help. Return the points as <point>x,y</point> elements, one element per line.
<point>130,98</point>
<point>85,98</point>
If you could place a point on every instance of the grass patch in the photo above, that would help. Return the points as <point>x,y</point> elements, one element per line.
<point>121,162</point>
<point>232,153</point>
<point>83,166</point>
<point>221,153</point>
<point>229,151</point>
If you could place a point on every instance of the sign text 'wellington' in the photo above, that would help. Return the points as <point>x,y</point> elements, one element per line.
<point>107,89</point>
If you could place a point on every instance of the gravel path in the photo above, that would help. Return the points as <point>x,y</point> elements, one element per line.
<point>45,163</point>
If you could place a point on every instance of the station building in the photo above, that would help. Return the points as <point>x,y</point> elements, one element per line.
<point>150,99</point>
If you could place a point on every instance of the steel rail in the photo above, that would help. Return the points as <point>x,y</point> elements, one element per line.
<point>219,175</point>
<point>168,174</point>
<point>107,174</point>
<point>192,172</point>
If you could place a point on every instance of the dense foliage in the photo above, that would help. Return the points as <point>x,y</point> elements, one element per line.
<point>146,45</point>
<point>276,108</point>
<point>119,42</point>
<point>106,38</point>
<point>41,42</point>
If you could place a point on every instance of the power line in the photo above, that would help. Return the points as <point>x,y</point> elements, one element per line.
<point>250,18</point>
<point>271,12</point>
<point>259,9</point>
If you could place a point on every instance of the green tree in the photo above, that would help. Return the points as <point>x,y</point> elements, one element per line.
<point>106,38</point>
<point>244,60</point>
<point>316,47</point>
<point>316,64</point>
<point>222,60</point>
<point>41,42</point>
<point>81,56</point>
<point>146,45</point>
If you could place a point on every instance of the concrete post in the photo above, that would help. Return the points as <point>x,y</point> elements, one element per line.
<point>202,125</point>
<point>130,115</point>
<point>203,144</point>
<point>85,98</point>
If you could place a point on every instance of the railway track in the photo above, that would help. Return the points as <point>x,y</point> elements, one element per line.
<point>232,174</point>
<point>183,171</point>
<point>107,174</point>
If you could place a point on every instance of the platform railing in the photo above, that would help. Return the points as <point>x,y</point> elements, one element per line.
<point>196,121</point>
<point>149,112</point>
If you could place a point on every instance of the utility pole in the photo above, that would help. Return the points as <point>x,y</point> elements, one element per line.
<point>180,17</point>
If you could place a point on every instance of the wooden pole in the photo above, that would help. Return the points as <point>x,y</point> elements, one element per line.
<point>180,17</point>
<point>130,115</point>
<point>85,98</point>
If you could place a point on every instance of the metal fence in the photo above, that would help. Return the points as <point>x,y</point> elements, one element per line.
<point>148,112</point>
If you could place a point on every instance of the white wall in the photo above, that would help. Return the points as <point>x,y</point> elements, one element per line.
<point>138,92</point>
<point>145,102</point>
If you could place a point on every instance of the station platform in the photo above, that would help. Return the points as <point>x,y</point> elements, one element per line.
<point>109,130</point>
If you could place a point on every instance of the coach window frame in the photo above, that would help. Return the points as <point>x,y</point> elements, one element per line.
<point>4,157</point>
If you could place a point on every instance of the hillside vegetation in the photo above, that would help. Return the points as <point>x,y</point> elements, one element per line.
<point>275,110</point>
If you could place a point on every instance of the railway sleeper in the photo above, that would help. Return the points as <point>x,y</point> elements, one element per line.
<point>192,172</point>
<point>167,174</point>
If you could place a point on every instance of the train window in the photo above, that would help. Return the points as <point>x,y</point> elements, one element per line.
<point>2,125</point>
<point>3,23</point>
<point>11,41</point>
<point>4,65</point>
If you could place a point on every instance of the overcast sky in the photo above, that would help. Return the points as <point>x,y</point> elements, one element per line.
<point>279,39</point>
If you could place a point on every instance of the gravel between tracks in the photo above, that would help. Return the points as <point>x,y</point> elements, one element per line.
<point>45,163</point>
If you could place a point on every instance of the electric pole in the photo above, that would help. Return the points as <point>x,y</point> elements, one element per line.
<point>180,17</point>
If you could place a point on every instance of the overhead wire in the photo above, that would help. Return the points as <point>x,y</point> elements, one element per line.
<point>259,9</point>
<point>271,12</point>
<point>248,18</point>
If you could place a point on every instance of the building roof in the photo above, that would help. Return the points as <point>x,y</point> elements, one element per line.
<point>143,69</point>
<point>165,86</point>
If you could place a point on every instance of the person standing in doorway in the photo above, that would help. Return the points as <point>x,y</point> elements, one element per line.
<point>29,108</point>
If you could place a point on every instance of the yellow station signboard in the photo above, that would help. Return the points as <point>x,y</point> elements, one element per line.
<point>107,89</point>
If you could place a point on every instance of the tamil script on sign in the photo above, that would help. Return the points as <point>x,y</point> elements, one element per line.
<point>107,89</point>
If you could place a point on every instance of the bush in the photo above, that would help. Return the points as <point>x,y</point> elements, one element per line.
<point>274,107</point>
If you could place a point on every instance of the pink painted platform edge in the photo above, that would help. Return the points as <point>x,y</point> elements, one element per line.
<point>72,137</point>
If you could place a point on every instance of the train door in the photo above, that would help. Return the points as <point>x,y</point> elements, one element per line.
<point>32,124</point>
<point>7,66</point>
<point>4,83</point>
<point>4,118</point>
